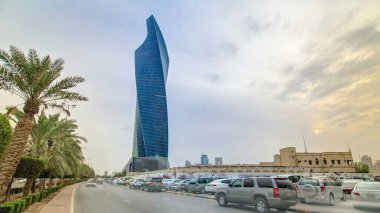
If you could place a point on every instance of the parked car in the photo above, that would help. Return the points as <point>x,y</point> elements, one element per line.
<point>198,185</point>
<point>185,185</point>
<point>319,188</point>
<point>152,184</point>
<point>366,195</point>
<point>376,178</point>
<point>176,185</point>
<point>348,186</point>
<point>136,183</point>
<point>263,192</point>
<point>168,183</point>
<point>216,184</point>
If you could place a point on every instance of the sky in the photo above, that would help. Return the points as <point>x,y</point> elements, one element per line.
<point>246,78</point>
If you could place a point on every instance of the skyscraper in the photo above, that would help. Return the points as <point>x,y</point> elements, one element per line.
<point>150,139</point>
<point>204,159</point>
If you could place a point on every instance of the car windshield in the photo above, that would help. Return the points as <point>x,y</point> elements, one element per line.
<point>192,181</point>
<point>156,179</point>
<point>203,180</point>
<point>368,186</point>
<point>312,182</point>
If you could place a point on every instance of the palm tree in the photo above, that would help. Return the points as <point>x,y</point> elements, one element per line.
<point>55,140</point>
<point>36,81</point>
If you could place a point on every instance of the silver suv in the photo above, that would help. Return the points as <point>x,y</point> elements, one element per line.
<point>262,192</point>
<point>319,188</point>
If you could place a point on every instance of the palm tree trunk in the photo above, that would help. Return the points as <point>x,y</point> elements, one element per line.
<point>14,152</point>
<point>28,186</point>
<point>8,191</point>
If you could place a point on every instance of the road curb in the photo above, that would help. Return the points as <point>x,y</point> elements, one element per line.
<point>72,198</point>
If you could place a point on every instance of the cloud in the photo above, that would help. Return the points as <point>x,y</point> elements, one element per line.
<point>341,83</point>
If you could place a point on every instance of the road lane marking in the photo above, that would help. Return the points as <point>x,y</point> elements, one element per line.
<point>166,198</point>
<point>127,201</point>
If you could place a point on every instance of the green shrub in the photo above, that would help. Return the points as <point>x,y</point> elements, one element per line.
<point>28,201</point>
<point>43,194</point>
<point>7,208</point>
<point>18,206</point>
<point>29,167</point>
<point>36,197</point>
<point>33,198</point>
<point>5,134</point>
<point>23,204</point>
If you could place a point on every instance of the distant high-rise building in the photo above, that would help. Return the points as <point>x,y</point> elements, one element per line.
<point>204,159</point>
<point>218,161</point>
<point>365,159</point>
<point>150,138</point>
<point>187,163</point>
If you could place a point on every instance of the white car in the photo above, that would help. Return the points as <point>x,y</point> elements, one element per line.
<point>216,184</point>
<point>366,195</point>
<point>169,182</point>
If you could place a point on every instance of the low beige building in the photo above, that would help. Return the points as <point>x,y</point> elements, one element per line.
<point>324,162</point>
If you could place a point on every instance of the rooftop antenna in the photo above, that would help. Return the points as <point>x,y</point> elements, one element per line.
<point>304,143</point>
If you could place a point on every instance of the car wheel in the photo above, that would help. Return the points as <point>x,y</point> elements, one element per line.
<point>261,205</point>
<point>203,191</point>
<point>222,200</point>
<point>331,200</point>
<point>302,200</point>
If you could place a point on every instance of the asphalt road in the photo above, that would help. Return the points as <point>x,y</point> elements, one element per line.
<point>109,198</point>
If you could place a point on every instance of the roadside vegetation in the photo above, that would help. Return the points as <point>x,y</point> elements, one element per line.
<point>36,145</point>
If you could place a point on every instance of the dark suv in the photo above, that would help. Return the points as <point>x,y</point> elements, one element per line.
<point>263,192</point>
<point>152,184</point>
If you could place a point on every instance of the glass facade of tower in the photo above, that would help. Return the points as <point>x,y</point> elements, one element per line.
<point>151,69</point>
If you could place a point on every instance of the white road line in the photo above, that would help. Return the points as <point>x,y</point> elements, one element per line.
<point>165,198</point>
<point>127,201</point>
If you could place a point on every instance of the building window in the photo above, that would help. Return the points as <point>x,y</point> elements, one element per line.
<point>324,161</point>
<point>349,162</point>
<point>338,162</point>
<point>299,161</point>
<point>305,161</point>
<point>316,162</point>
<point>332,161</point>
<point>310,162</point>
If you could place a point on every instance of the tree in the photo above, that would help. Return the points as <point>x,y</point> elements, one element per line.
<point>37,82</point>
<point>5,134</point>
<point>29,168</point>
<point>361,168</point>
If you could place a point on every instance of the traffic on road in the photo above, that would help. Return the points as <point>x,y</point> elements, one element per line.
<point>266,193</point>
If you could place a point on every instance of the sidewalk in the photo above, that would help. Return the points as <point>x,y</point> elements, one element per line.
<point>63,202</point>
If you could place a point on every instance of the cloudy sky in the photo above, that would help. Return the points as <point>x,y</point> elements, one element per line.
<point>245,78</point>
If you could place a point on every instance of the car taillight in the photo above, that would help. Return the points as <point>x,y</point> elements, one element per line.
<point>323,188</point>
<point>276,193</point>
<point>150,184</point>
<point>357,194</point>
<point>213,185</point>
